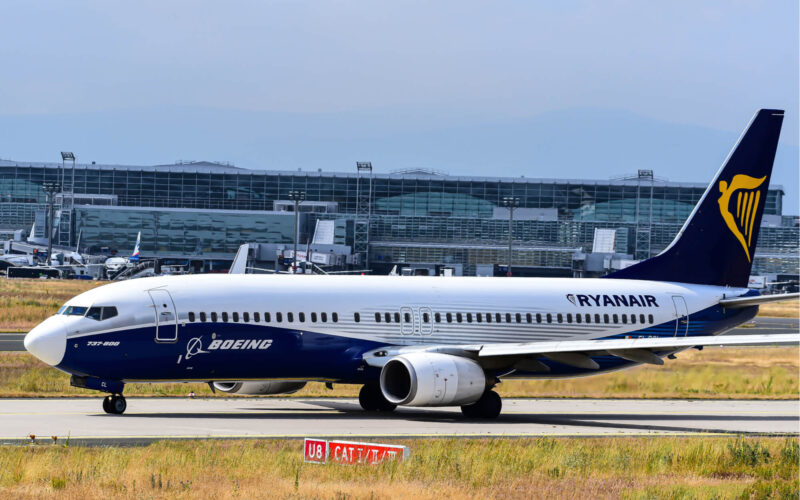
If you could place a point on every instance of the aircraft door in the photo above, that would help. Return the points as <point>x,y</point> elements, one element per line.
<point>681,316</point>
<point>407,321</point>
<point>165,314</point>
<point>426,317</point>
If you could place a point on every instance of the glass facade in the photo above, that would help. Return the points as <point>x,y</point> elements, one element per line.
<point>415,216</point>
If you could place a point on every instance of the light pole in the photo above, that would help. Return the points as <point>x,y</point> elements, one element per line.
<point>50,188</point>
<point>296,197</point>
<point>511,202</point>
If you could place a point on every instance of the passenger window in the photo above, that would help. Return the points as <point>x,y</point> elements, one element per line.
<point>268,317</point>
<point>387,317</point>
<point>109,312</point>
<point>614,317</point>
<point>449,317</point>
<point>597,318</point>
<point>569,317</point>
<point>95,313</point>
<point>322,316</point>
<point>397,317</point>
<point>191,316</point>
<point>488,317</point>
<point>458,317</point>
<point>529,317</point>
<point>559,318</point>
<point>633,319</point>
<point>377,317</point>
<point>519,318</point>
<point>578,318</point>
<point>313,317</point>
<point>438,317</point>
<point>478,317</point>
<point>508,317</point>
<point>469,317</point>
<point>641,318</point>
<point>549,318</point>
<point>538,317</point>
<point>498,318</point>
<point>203,317</point>
<point>650,318</point>
<point>236,316</point>
<point>357,317</point>
<point>605,318</point>
<point>224,316</point>
<point>426,318</point>
<point>407,317</point>
<point>624,319</point>
<point>279,317</point>
<point>335,317</point>
<point>256,317</point>
<point>246,317</point>
<point>302,317</point>
<point>290,317</point>
<point>588,318</point>
<point>214,317</point>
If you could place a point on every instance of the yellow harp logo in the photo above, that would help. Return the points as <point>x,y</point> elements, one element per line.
<point>747,198</point>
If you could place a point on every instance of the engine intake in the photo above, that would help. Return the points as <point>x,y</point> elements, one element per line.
<point>263,387</point>
<point>432,379</point>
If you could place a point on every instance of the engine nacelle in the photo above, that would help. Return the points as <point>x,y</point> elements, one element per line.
<point>263,387</point>
<point>432,379</point>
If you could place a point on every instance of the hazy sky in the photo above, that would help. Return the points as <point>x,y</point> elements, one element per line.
<point>297,84</point>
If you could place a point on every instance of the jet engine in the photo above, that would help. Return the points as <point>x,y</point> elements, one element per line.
<point>432,379</point>
<point>262,387</point>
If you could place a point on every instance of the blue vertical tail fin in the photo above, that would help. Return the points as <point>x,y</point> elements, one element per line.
<point>716,244</point>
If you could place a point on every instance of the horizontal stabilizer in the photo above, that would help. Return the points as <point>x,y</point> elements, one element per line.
<point>756,300</point>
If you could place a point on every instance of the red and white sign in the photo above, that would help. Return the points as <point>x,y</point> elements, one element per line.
<point>315,451</point>
<point>352,453</point>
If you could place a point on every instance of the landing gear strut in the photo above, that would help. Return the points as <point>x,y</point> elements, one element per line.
<point>371,399</point>
<point>115,404</point>
<point>488,406</point>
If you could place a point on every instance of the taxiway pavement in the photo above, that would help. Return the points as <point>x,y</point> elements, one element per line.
<point>148,419</point>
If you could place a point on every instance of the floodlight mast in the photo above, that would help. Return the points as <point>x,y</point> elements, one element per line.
<point>50,188</point>
<point>511,202</point>
<point>296,197</point>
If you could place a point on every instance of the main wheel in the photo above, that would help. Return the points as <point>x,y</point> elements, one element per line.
<point>488,406</point>
<point>371,399</point>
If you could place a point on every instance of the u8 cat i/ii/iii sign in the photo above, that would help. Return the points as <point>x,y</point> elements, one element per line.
<point>321,451</point>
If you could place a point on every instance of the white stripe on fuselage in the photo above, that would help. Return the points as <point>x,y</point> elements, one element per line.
<point>367,295</point>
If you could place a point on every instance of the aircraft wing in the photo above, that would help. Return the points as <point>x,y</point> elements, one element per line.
<point>756,300</point>
<point>634,349</point>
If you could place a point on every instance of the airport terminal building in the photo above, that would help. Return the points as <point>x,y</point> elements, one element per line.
<point>364,220</point>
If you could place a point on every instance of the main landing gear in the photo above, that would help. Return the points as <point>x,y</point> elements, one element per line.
<point>488,406</point>
<point>115,404</point>
<point>371,399</point>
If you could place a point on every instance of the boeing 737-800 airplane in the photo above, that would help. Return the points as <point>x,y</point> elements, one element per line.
<point>428,341</point>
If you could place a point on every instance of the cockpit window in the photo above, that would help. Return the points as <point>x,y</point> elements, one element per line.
<point>75,311</point>
<point>95,313</point>
<point>61,311</point>
<point>109,312</point>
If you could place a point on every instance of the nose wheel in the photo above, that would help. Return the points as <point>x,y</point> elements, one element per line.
<point>115,404</point>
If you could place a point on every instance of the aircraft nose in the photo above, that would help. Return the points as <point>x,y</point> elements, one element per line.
<point>48,341</point>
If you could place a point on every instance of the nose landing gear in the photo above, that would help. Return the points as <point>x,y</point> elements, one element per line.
<point>115,404</point>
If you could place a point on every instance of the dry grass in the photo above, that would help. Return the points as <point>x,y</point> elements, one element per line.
<point>784,309</point>
<point>737,373</point>
<point>438,468</point>
<point>25,303</point>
